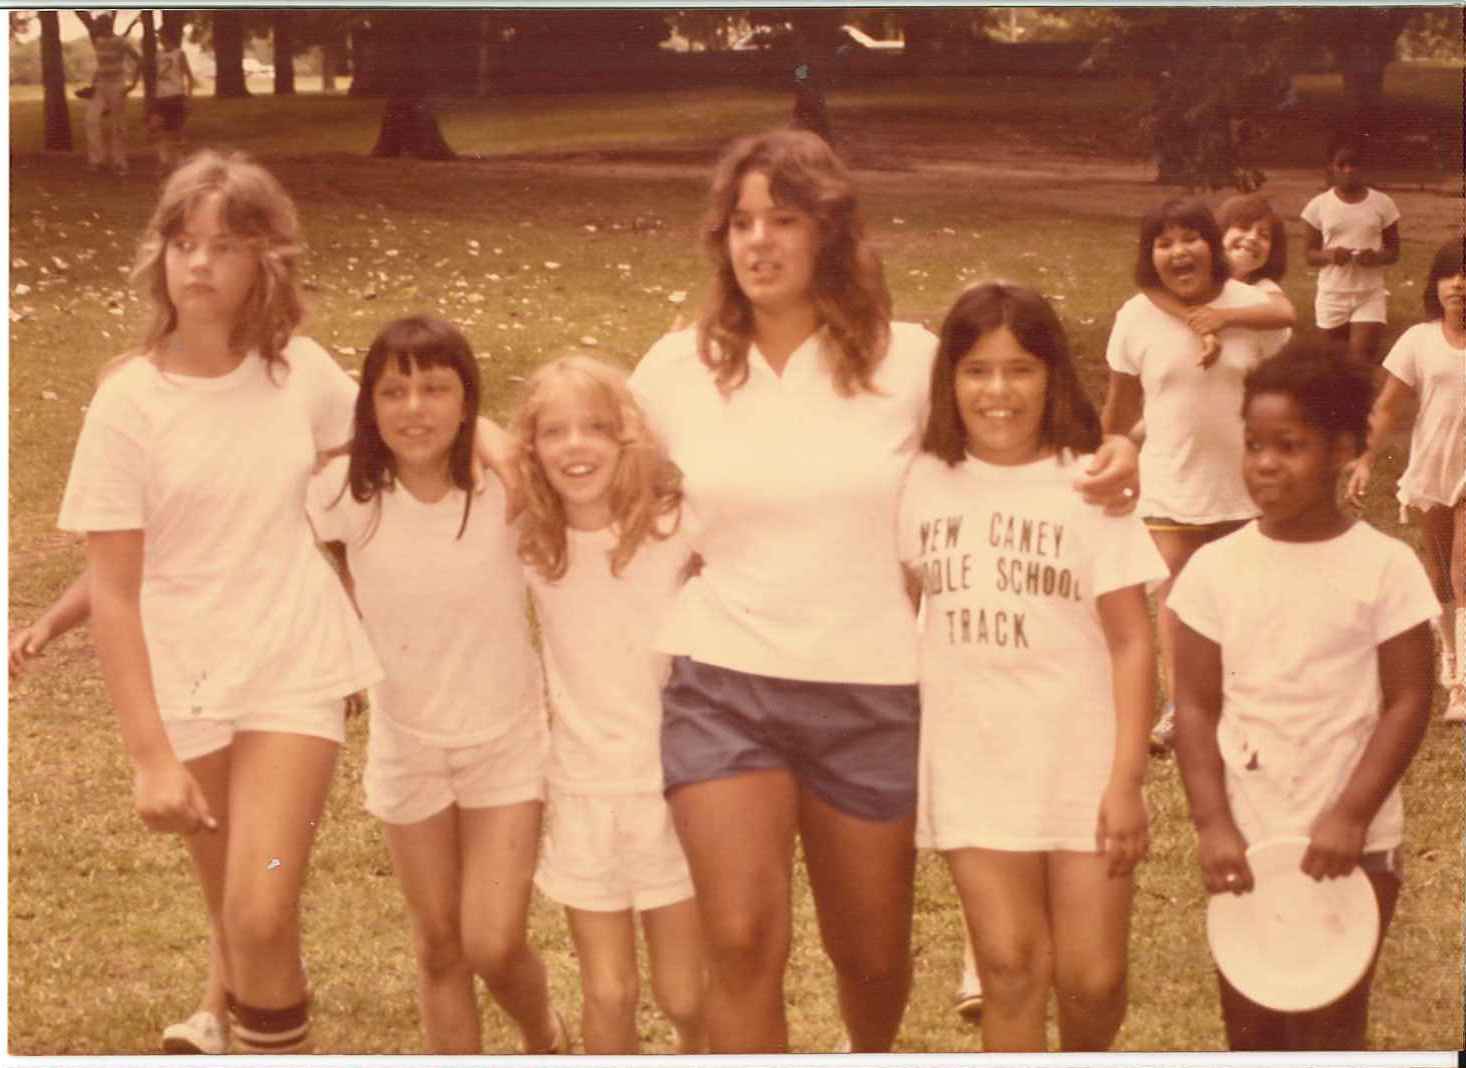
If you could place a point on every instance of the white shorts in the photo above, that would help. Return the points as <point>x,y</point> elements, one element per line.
<point>1332,310</point>
<point>407,780</point>
<point>609,853</point>
<point>196,736</point>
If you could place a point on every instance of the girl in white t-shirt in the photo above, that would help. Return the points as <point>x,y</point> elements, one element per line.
<point>1190,462</point>
<point>1302,668</point>
<point>1256,246</point>
<point>1036,672</point>
<point>227,645</point>
<point>1428,366</point>
<point>455,763</point>
<point>604,555</point>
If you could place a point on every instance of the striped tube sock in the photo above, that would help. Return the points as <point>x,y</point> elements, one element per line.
<point>258,1030</point>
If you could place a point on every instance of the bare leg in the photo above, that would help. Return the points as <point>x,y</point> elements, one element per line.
<point>425,856</point>
<point>1015,952</point>
<point>500,847</point>
<point>209,850</point>
<point>277,790</point>
<point>605,944</point>
<point>679,970</point>
<point>1090,916</point>
<point>738,833</point>
<point>1364,341</point>
<point>861,872</point>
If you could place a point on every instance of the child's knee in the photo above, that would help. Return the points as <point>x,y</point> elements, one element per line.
<point>1016,971</point>
<point>1094,986</point>
<point>254,923</point>
<point>681,1000</point>
<point>439,948</point>
<point>494,954</point>
<point>611,994</point>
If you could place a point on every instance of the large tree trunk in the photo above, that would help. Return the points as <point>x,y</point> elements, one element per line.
<point>283,40</point>
<point>407,67</point>
<point>150,60</point>
<point>53,79</point>
<point>815,32</point>
<point>229,54</point>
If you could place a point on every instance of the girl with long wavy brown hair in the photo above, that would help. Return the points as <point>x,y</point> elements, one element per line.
<point>794,409</point>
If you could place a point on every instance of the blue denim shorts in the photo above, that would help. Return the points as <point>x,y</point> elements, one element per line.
<point>853,745</point>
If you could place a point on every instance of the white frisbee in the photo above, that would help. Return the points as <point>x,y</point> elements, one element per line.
<point>1293,943</point>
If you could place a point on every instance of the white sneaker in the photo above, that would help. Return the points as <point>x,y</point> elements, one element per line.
<point>1456,704</point>
<point>203,1032</point>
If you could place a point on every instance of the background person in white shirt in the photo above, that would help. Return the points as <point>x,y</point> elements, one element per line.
<point>1353,235</point>
<point>794,410</point>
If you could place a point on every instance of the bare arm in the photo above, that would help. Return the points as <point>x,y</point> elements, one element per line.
<point>1337,836</point>
<point>1123,831</point>
<point>1387,253</point>
<point>1317,255</point>
<point>1124,402</point>
<point>188,81</point>
<point>67,611</point>
<point>1276,314</point>
<point>164,793</point>
<point>1392,408</point>
<point>1221,848</point>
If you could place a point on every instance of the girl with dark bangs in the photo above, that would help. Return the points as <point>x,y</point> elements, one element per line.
<point>1036,668</point>
<point>1191,459</point>
<point>793,410</point>
<point>456,755</point>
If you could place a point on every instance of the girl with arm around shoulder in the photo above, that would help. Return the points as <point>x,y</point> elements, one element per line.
<point>226,643</point>
<point>1036,673</point>
<point>456,756</point>
<point>1190,464</point>
<point>604,553</point>
<point>1321,623</point>
<point>791,707</point>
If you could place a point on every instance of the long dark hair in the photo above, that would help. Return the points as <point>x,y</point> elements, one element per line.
<point>1450,260</point>
<point>1069,418</point>
<point>414,341</point>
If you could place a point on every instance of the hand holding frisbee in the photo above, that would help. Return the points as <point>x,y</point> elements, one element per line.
<point>1294,943</point>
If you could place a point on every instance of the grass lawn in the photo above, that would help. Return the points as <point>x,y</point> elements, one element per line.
<point>576,222</point>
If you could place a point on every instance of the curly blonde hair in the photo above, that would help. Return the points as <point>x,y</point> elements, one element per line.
<point>255,206</point>
<point>850,295</point>
<point>646,490</point>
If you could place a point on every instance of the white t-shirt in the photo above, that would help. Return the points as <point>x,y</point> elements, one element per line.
<point>170,73</point>
<point>1348,225</point>
<point>1299,625</point>
<point>1191,462</point>
<point>792,490</point>
<point>1017,703</point>
<point>1425,361</point>
<point>239,609</point>
<point>605,679</point>
<point>447,615</point>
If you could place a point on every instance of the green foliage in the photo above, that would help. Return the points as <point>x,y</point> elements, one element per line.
<point>25,61</point>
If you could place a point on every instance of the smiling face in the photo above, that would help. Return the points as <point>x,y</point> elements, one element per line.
<point>419,413</point>
<point>1291,468</point>
<point>1000,389</point>
<point>210,270</point>
<point>1182,260</point>
<point>577,446</point>
<point>1248,247</point>
<point>772,248</point>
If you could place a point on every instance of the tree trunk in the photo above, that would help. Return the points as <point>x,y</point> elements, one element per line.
<point>229,53</point>
<point>150,60</point>
<point>53,79</point>
<point>814,60</point>
<point>405,61</point>
<point>284,48</point>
